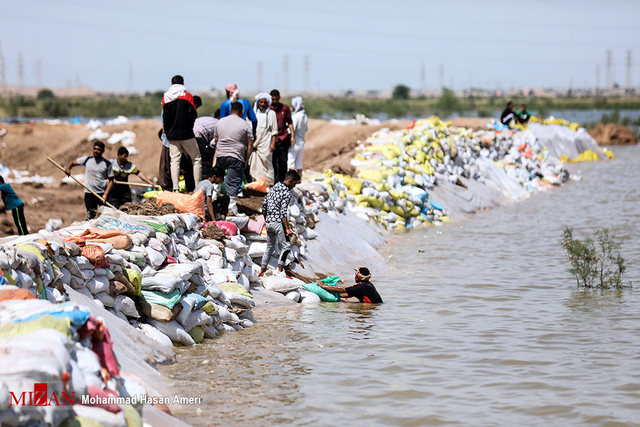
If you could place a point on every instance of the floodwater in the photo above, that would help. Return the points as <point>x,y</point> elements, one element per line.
<point>481,326</point>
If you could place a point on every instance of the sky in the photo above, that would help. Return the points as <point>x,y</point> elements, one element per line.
<point>139,45</point>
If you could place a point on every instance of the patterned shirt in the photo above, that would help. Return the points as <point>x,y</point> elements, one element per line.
<point>277,203</point>
<point>204,127</point>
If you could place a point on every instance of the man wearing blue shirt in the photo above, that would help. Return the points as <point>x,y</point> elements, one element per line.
<point>247,108</point>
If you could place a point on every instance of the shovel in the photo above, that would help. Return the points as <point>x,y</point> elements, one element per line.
<point>76,180</point>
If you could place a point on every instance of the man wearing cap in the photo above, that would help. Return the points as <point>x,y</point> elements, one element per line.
<point>363,289</point>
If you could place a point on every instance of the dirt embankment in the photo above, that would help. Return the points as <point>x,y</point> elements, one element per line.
<point>613,134</point>
<point>26,147</point>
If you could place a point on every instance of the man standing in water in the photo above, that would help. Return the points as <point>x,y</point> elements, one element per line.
<point>363,289</point>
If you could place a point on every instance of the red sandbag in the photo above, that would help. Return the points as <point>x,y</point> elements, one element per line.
<point>227,227</point>
<point>104,350</point>
<point>104,396</point>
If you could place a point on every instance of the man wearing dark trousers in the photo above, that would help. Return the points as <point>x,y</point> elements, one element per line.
<point>98,176</point>
<point>285,138</point>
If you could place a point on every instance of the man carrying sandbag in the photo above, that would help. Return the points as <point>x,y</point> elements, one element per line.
<point>275,208</point>
<point>363,289</point>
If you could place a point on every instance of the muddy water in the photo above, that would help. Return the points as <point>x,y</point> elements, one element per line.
<point>480,327</point>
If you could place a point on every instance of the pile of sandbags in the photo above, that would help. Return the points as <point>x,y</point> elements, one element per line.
<point>398,170</point>
<point>55,361</point>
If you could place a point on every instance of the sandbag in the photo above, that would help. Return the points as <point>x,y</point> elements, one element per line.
<point>160,283</point>
<point>235,287</point>
<point>258,185</point>
<point>135,279</point>
<point>227,228</point>
<point>241,300</point>
<point>157,311</point>
<point>281,284</point>
<point>168,300</point>
<point>98,284</point>
<point>193,203</point>
<point>307,297</point>
<point>155,334</point>
<point>174,331</point>
<point>126,306</point>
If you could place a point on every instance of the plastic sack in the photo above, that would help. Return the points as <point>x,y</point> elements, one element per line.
<point>281,284</point>
<point>168,300</point>
<point>255,226</point>
<point>259,185</point>
<point>155,335</point>
<point>193,203</point>
<point>98,284</point>
<point>307,297</point>
<point>160,283</point>
<point>174,331</point>
<point>126,305</point>
<point>227,227</point>
<point>157,311</point>
<point>95,254</point>
<point>235,287</point>
<point>322,293</point>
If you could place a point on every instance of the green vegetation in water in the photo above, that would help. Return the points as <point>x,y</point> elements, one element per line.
<point>595,261</point>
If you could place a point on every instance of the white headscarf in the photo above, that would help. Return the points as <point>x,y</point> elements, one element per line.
<point>261,95</point>
<point>297,104</point>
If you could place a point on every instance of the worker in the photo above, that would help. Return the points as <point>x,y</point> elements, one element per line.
<point>122,168</point>
<point>508,115</point>
<point>216,205</point>
<point>13,203</point>
<point>363,289</point>
<point>523,115</point>
<point>98,176</point>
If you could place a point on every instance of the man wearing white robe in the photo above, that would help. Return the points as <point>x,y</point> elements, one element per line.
<point>260,162</point>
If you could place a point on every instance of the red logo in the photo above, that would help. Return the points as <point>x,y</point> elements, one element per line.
<point>40,397</point>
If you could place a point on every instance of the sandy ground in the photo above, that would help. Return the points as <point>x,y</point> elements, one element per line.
<point>27,146</point>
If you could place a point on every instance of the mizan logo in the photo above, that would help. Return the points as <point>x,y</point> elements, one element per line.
<point>40,397</point>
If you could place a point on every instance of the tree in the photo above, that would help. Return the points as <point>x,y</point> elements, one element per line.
<point>401,92</point>
<point>448,101</point>
<point>46,94</point>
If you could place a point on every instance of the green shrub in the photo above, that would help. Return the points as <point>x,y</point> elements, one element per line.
<point>595,261</point>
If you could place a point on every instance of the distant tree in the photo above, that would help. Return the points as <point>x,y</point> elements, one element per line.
<point>448,101</point>
<point>46,94</point>
<point>401,92</point>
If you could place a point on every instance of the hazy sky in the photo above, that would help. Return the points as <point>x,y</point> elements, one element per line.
<point>350,44</point>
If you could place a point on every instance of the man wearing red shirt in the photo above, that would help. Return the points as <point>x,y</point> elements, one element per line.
<point>285,138</point>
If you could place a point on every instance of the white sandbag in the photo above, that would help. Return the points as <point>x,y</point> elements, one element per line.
<point>241,300</point>
<point>165,284</point>
<point>82,262</point>
<point>155,335</point>
<point>99,272</point>
<point>190,220</point>
<point>214,290</point>
<point>309,234</point>
<point>244,281</point>
<point>149,271</point>
<point>215,262</point>
<point>66,276</point>
<point>126,306</point>
<point>251,237</point>
<point>250,272</point>
<point>223,276</point>
<point>257,249</point>
<point>237,265</point>
<point>281,284</point>
<point>307,297</point>
<point>204,253</point>
<point>197,318</point>
<point>173,330</point>
<point>122,253</point>
<point>239,221</point>
<point>180,271</point>
<point>98,284</point>
<point>294,295</point>
<point>106,299</point>
<point>155,244</point>
<point>225,327</point>
<point>226,316</point>
<point>89,364</point>
<point>87,274</point>
<point>210,332</point>
<point>84,291</point>
<point>138,239</point>
<point>246,323</point>
<point>230,254</point>
<point>156,258</point>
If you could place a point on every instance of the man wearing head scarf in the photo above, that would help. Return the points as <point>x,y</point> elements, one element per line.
<point>285,138</point>
<point>299,118</point>
<point>260,162</point>
<point>233,96</point>
<point>363,289</point>
<point>178,116</point>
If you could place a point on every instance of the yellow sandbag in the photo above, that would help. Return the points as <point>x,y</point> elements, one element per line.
<point>209,307</point>
<point>398,211</point>
<point>409,180</point>
<point>151,194</point>
<point>353,184</point>
<point>135,278</point>
<point>197,333</point>
<point>395,195</point>
<point>18,329</point>
<point>372,175</point>
<point>234,287</point>
<point>445,219</point>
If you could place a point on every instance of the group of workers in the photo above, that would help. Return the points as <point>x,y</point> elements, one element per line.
<point>509,117</point>
<point>256,142</point>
